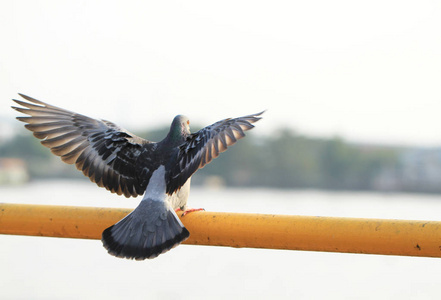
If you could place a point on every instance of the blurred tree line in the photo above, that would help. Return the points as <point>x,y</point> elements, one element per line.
<point>283,160</point>
<point>288,160</point>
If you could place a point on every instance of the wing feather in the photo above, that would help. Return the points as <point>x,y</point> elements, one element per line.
<point>205,145</point>
<point>100,149</point>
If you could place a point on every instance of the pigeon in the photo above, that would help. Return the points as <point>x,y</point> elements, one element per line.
<point>129,165</point>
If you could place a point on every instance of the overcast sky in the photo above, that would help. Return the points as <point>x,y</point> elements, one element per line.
<point>366,70</point>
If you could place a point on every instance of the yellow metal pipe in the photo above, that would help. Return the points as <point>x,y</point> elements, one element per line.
<point>373,236</point>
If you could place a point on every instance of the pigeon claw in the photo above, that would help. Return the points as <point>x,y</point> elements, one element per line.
<point>189,210</point>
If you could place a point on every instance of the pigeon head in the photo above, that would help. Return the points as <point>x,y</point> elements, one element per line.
<point>179,129</point>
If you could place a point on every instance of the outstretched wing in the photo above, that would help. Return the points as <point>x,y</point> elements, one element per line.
<point>205,145</point>
<point>101,150</point>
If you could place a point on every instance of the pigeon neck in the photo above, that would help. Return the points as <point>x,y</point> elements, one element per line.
<point>176,136</point>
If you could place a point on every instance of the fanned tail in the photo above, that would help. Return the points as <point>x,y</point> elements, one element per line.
<point>151,229</point>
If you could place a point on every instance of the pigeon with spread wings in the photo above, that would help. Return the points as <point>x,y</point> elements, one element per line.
<point>128,165</point>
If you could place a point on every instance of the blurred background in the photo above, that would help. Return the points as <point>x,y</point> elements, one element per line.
<point>351,129</point>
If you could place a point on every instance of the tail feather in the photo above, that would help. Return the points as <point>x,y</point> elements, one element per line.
<point>151,229</point>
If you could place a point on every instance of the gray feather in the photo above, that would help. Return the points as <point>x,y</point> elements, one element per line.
<point>151,229</point>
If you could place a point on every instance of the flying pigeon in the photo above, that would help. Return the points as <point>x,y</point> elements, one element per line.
<point>128,165</point>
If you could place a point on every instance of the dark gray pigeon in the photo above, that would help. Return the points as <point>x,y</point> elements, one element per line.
<point>131,166</point>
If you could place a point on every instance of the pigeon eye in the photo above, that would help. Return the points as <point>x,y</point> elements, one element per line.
<point>188,122</point>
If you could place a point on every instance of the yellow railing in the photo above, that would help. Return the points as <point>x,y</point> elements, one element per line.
<point>373,236</point>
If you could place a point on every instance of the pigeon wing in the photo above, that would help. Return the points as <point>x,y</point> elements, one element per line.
<point>205,145</point>
<point>100,149</point>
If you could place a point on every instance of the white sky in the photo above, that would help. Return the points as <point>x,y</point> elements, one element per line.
<point>367,70</point>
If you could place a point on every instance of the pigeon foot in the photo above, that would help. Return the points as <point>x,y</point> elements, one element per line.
<point>189,210</point>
